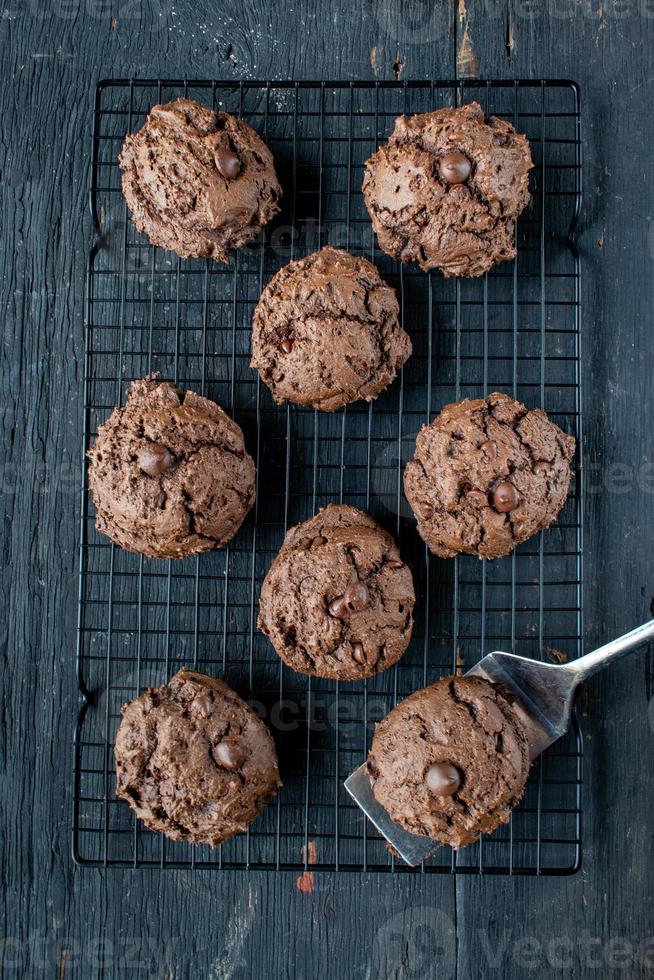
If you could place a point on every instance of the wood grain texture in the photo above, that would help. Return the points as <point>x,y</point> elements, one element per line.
<point>60,921</point>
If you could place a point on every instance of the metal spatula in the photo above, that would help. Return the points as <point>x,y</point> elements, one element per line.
<point>544,698</point>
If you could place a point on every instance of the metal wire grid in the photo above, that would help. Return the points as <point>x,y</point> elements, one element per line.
<point>515,330</point>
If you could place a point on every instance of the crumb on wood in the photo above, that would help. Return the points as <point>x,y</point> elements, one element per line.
<point>600,244</point>
<point>398,66</point>
<point>309,853</point>
<point>373,58</point>
<point>114,23</point>
<point>555,654</point>
<point>466,56</point>
<point>304,883</point>
<point>510,40</point>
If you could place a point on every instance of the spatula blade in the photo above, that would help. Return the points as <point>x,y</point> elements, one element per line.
<point>413,848</point>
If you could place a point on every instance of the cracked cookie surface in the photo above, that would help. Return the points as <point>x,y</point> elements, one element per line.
<point>326,332</point>
<point>169,473</point>
<point>451,760</point>
<point>197,182</point>
<point>337,601</point>
<point>447,188</point>
<point>193,760</point>
<point>487,474</point>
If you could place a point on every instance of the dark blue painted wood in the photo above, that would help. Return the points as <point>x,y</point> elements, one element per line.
<point>62,921</point>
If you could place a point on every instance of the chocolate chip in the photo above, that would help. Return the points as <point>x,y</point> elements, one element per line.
<point>393,563</point>
<point>155,459</point>
<point>505,497</point>
<point>230,755</point>
<point>317,542</point>
<point>229,165</point>
<point>287,344</point>
<point>372,767</point>
<point>427,513</point>
<point>489,448</point>
<point>338,607</point>
<point>161,500</point>
<point>358,653</point>
<point>454,168</point>
<point>442,779</point>
<point>356,597</point>
<point>540,467</point>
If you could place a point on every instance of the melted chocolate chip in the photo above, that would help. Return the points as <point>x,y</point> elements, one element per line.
<point>358,653</point>
<point>357,597</point>
<point>489,448</point>
<point>228,164</point>
<point>230,755</point>
<point>372,767</point>
<point>442,779</point>
<point>454,168</point>
<point>318,541</point>
<point>505,497</point>
<point>338,607</point>
<point>427,513</point>
<point>393,563</point>
<point>540,467</point>
<point>155,459</point>
<point>287,344</point>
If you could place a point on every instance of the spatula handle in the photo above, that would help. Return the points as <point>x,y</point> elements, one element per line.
<point>589,664</point>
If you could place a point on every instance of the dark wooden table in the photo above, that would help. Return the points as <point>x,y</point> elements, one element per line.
<point>63,921</point>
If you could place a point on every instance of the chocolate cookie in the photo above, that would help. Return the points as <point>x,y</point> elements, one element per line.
<point>193,760</point>
<point>337,601</point>
<point>450,761</point>
<point>198,182</point>
<point>487,474</point>
<point>447,188</point>
<point>326,332</point>
<point>169,473</point>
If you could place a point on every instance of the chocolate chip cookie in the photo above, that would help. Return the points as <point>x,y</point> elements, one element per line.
<point>193,760</point>
<point>169,473</point>
<point>451,760</point>
<point>447,188</point>
<point>337,601</point>
<point>198,182</point>
<point>326,332</point>
<point>487,475</point>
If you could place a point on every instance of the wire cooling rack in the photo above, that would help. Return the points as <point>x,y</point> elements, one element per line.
<point>516,330</point>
